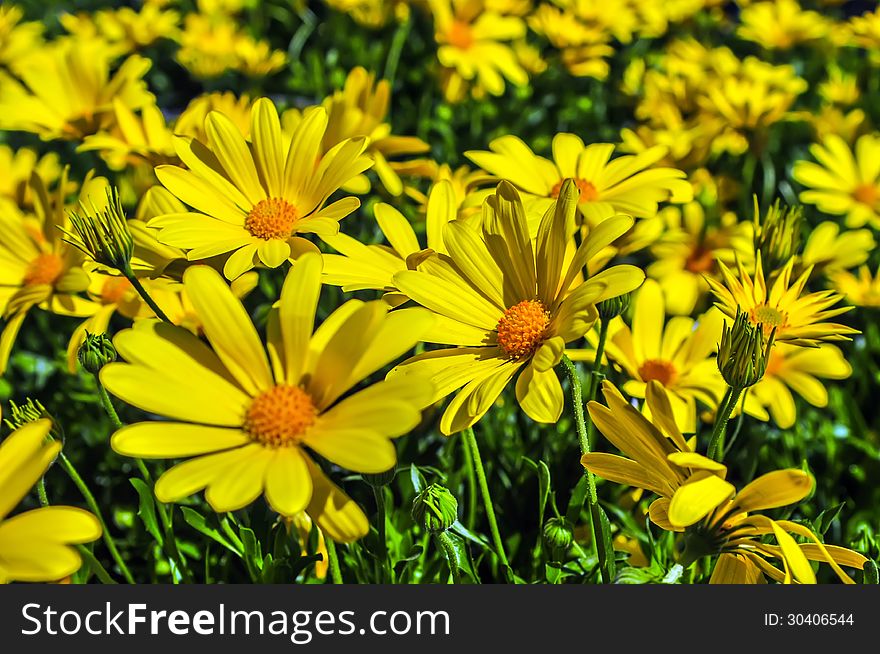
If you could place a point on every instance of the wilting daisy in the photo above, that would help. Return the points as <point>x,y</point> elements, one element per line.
<point>843,183</point>
<point>37,268</point>
<point>791,368</point>
<point>37,545</point>
<point>510,304</point>
<point>360,267</point>
<point>626,184</point>
<point>244,418</point>
<point>798,318</point>
<point>256,198</point>
<point>676,354</point>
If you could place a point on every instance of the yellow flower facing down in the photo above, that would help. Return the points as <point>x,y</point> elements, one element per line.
<point>67,91</point>
<point>862,291</point>
<point>626,184</point>
<point>243,418</point>
<point>510,304</point>
<point>37,545</point>
<point>676,354</point>
<point>843,182</point>
<point>797,369</point>
<point>473,48</point>
<point>372,267</point>
<point>37,268</point>
<point>799,318</point>
<point>256,197</point>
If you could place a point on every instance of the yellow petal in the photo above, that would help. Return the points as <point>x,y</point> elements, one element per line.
<point>794,557</point>
<point>696,499</point>
<point>232,151</point>
<point>191,476</point>
<point>299,301</point>
<point>338,516</point>
<point>540,394</point>
<point>171,440</point>
<point>288,482</point>
<point>356,449</point>
<point>774,489</point>
<point>624,471</point>
<point>273,252</point>
<point>268,144</point>
<point>697,462</point>
<point>242,481</point>
<point>397,229</point>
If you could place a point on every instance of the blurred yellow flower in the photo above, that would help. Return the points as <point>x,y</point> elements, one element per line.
<point>843,182</point>
<point>17,39</point>
<point>862,291</point>
<point>16,168</point>
<point>256,197</point>
<point>191,121</point>
<point>829,250</point>
<point>781,24</point>
<point>125,29</point>
<point>243,419</point>
<point>36,545</point>
<point>133,140</point>
<point>511,305</point>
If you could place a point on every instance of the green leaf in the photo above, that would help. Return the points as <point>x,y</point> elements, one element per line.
<point>576,503</point>
<point>253,553</point>
<point>418,480</point>
<point>147,509</point>
<point>870,574</point>
<point>456,554</point>
<point>198,522</point>
<point>823,521</point>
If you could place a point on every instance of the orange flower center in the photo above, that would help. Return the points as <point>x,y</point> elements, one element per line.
<point>271,218</point>
<point>522,328</point>
<point>700,260</point>
<point>658,370</point>
<point>769,317</point>
<point>45,269</point>
<point>460,35</point>
<point>280,416</point>
<point>588,191</point>
<point>867,194</point>
<point>114,289</point>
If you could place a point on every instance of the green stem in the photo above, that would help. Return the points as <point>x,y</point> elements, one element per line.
<point>130,276</point>
<point>381,512</point>
<point>731,397</point>
<point>487,496</point>
<point>598,527</point>
<point>335,573</point>
<point>93,506</point>
<point>395,50</point>
<point>41,492</point>
<point>449,551</point>
<point>170,544</point>
<point>472,486</point>
<point>99,570</point>
<point>593,387</point>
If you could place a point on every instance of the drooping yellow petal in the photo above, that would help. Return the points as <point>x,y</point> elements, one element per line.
<point>794,558</point>
<point>340,518</point>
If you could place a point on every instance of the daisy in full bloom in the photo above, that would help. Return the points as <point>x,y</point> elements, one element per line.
<point>676,354</point>
<point>510,304</point>
<point>473,47</point>
<point>242,418</point>
<point>791,368</point>
<point>696,499</point>
<point>843,182</point>
<point>798,318</point>
<point>67,91</point>
<point>360,267</point>
<point>862,291</point>
<point>37,545</point>
<point>38,268</point>
<point>626,184</point>
<point>256,197</point>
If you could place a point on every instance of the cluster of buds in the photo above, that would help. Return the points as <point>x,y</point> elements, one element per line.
<point>778,235</point>
<point>435,508</point>
<point>743,352</point>
<point>103,233</point>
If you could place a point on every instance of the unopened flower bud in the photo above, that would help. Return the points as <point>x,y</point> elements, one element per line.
<point>95,352</point>
<point>435,508</point>
<point>778,235</point>
<point>31,411</point>
<point>613,307</point>
<point>103,234</point>
<point>558,535</point>
<point>743,352</point>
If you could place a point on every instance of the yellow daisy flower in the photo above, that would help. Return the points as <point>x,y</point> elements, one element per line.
<point>792,368</point>
<point>16,168</point>
<point>862,291</point>
<point>191,122</point>
<point>677,354</point>
<point>37,268</point>
<point>472,47</point>
<point>256,197</point>
<point>124,28</point>
<point>372,267</point>
<point>67,90</point>
<point>243,419</point>
<point>626,184</point>
<point>830,250</point>
<point>798,318</point>
<point>510,304</point>
<point>37,545</point>
<point>17,39</point>
<point>843,183</point>
<point>781,25</point>
<point>133,140</point>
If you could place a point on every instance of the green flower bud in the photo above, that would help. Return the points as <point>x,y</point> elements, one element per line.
<point>95,352</point>
<point>378,480</point>
<point>435,508</point>
<point>31,411</point>
<point>613,307</point>
<point>743,352</point>
<point>778,235</point>
<point>103,234</point>
<point>558,535</point>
